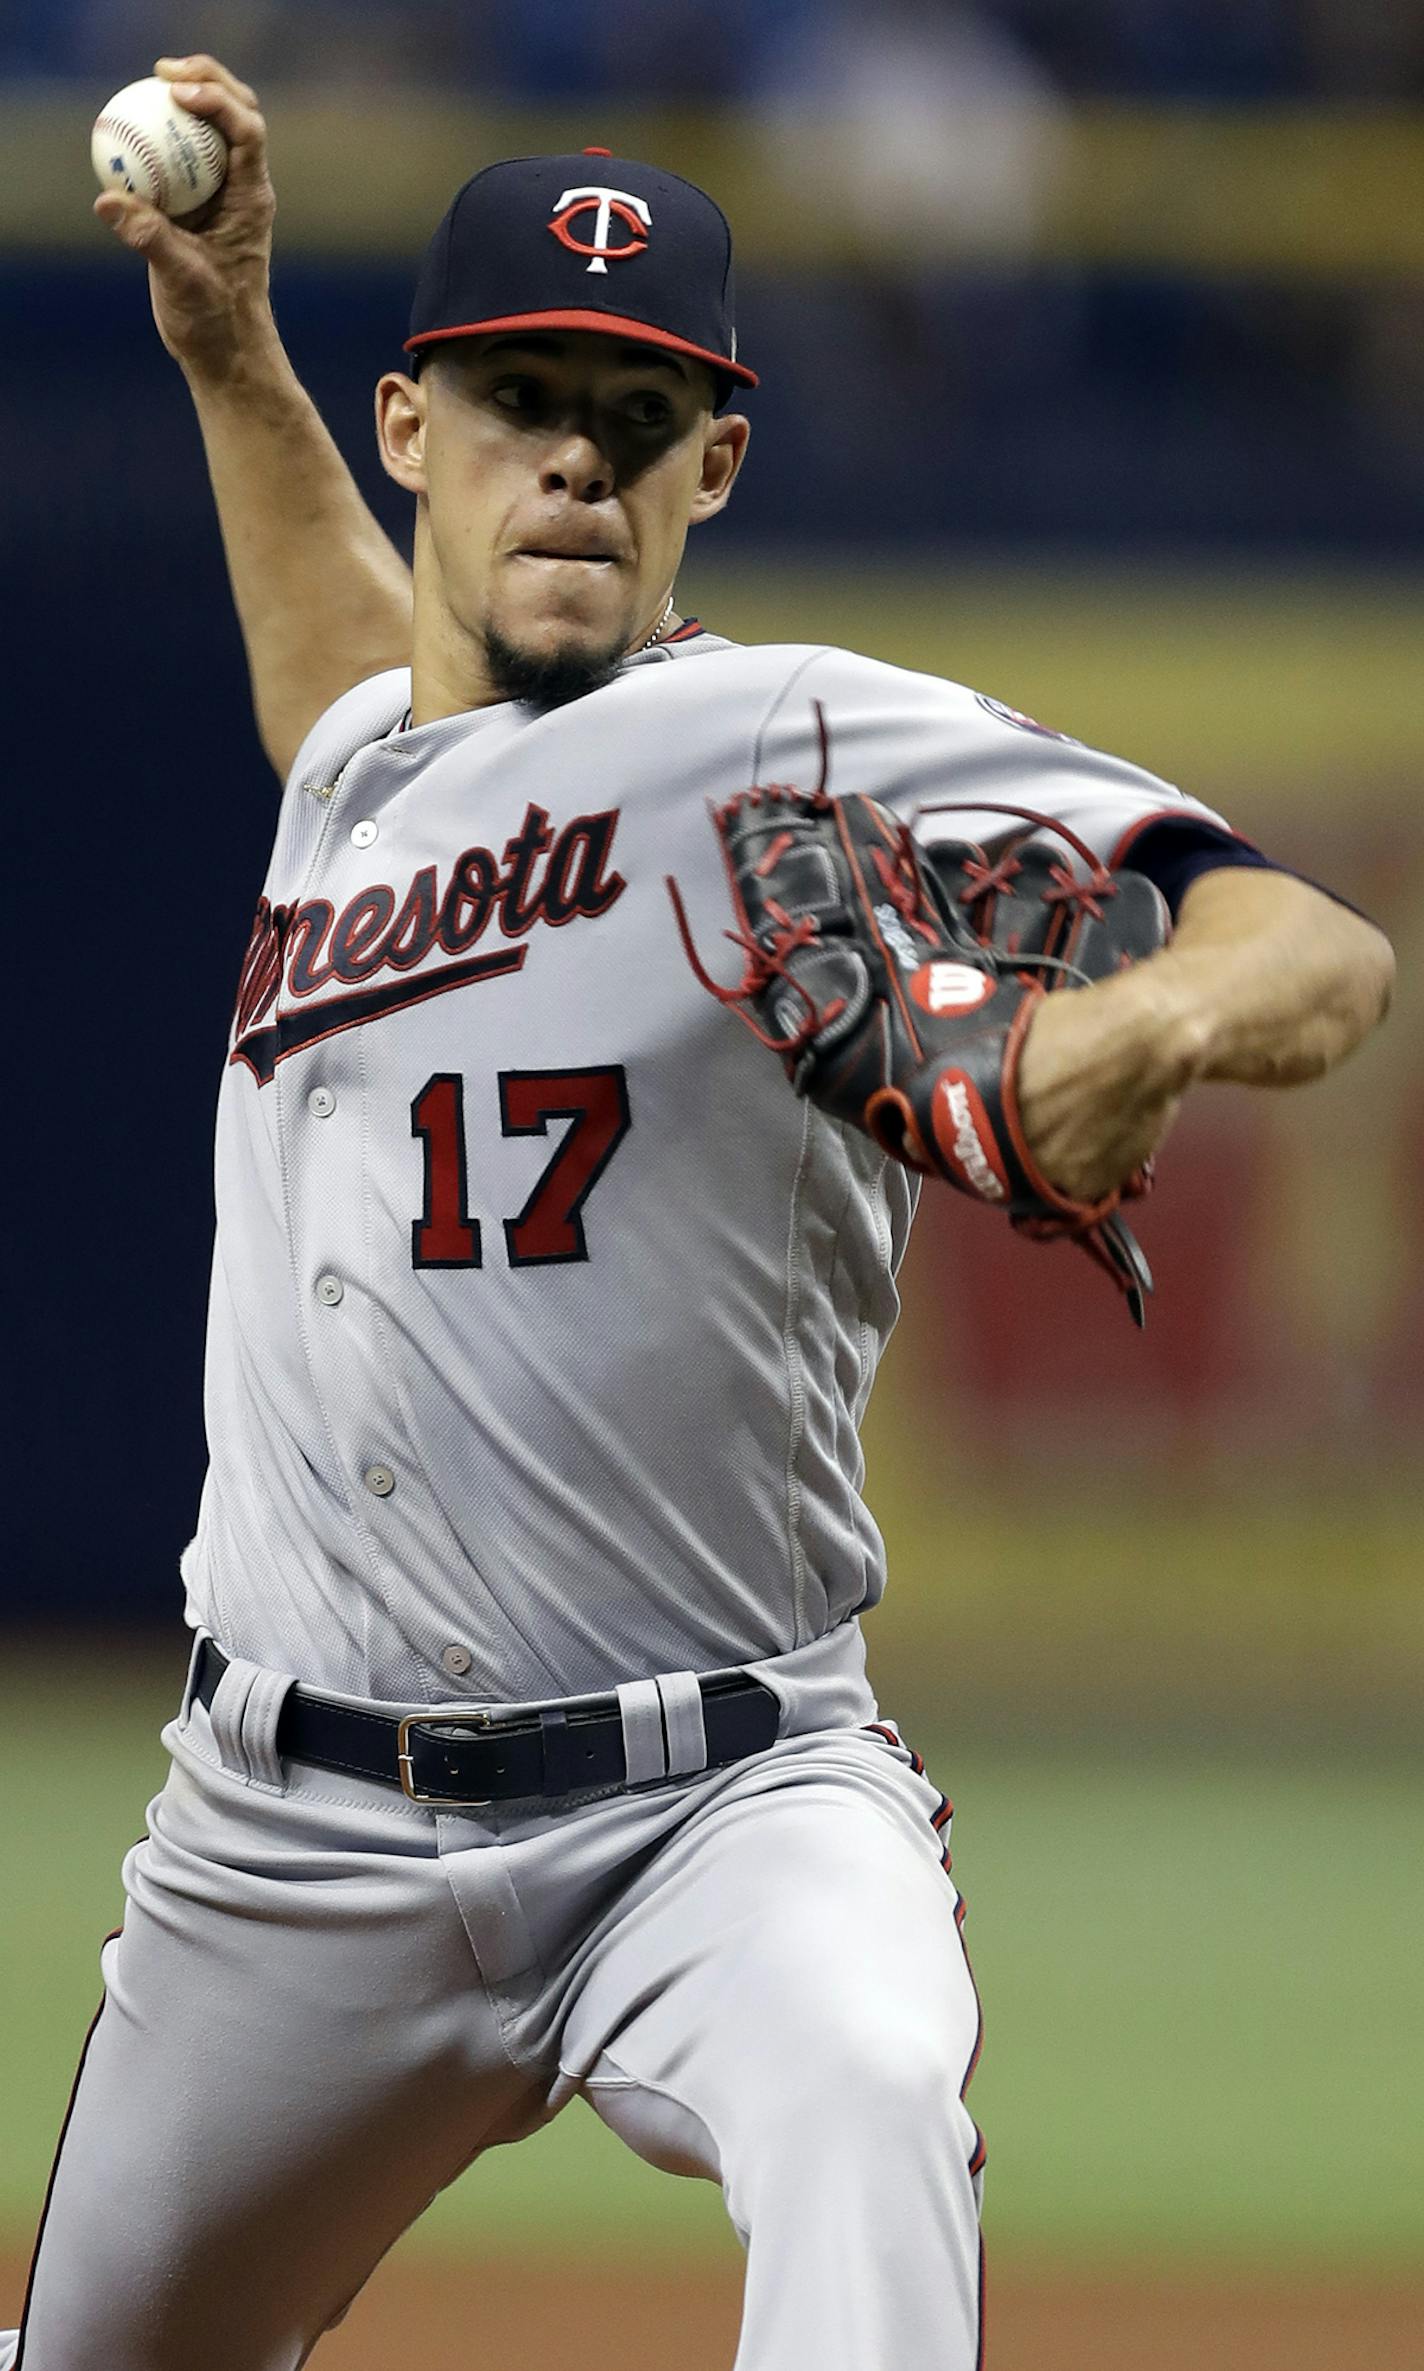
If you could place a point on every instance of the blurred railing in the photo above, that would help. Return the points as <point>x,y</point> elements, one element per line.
<point>1294,192</point>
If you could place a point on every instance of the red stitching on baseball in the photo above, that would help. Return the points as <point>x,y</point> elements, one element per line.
<point>117,128</point>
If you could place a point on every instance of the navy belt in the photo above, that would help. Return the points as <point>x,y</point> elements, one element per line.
<point>468,1759</point>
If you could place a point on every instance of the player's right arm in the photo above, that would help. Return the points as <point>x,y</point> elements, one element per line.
<point>322,595</point>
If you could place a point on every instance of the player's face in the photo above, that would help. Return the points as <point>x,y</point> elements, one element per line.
<point>558,477</point>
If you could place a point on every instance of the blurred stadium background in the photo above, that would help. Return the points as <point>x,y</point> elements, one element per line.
<point>1092,341</point>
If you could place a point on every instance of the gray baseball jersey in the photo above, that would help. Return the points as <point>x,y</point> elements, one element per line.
<point>543,1319</point>
<point>543,1314</point>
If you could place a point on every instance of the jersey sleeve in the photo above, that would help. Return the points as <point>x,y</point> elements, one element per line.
<point>1175,850</point>
<point>366,713</point>
<point>951,760</point>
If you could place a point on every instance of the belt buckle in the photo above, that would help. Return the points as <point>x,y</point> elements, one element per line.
<point>405,1764</point>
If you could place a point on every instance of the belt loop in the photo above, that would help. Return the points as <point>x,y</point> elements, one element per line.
<point>246,1705</point>
<point>683,1721</point>
<point>559,1774</point>
<point>642,1710</point>
<point>190,1684</point>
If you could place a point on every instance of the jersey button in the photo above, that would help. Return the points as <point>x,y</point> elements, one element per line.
<point>456,1660</point>
<point>362,834</point>
<point>379,1480</point>
<point>321,1103</point>
<point>329,1290</point>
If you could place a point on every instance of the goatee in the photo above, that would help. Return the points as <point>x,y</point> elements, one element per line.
<point>546,680</point>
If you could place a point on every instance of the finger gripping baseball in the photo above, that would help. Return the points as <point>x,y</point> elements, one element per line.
<point>898,985</point>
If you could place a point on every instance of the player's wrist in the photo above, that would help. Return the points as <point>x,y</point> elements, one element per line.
<point>239,355</point>
<point>1165,1005</point>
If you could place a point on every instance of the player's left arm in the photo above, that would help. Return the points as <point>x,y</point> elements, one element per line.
<point>1267,982</point>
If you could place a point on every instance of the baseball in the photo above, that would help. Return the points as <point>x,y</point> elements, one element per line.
<point>146,143</point>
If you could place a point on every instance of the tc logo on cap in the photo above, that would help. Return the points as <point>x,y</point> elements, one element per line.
<point>604,205</point>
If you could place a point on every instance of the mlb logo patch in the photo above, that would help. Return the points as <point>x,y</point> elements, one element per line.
<point>1025,724</point>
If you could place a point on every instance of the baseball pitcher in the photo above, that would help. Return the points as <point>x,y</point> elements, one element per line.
<point>527,1749</point>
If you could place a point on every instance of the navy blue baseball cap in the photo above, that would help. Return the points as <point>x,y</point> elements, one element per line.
<point>590,241</point>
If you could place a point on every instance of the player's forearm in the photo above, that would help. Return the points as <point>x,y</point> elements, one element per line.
<point>322,595</point>
<point>1267,982</point>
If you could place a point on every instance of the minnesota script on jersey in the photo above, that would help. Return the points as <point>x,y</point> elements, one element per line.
<point>543,1314</point>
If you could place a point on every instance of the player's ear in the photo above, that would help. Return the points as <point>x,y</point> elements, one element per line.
<point>723,452</point>
<point>401,414</point>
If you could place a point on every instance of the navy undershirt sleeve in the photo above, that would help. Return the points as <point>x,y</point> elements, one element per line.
<point>1175,850</point>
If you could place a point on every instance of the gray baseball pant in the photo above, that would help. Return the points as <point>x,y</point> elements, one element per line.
<point>326,2002</point>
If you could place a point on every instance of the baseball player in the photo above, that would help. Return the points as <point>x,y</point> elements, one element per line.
<point>527,1749</point>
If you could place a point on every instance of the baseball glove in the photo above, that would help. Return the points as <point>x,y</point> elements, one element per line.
<point>897,983</point>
